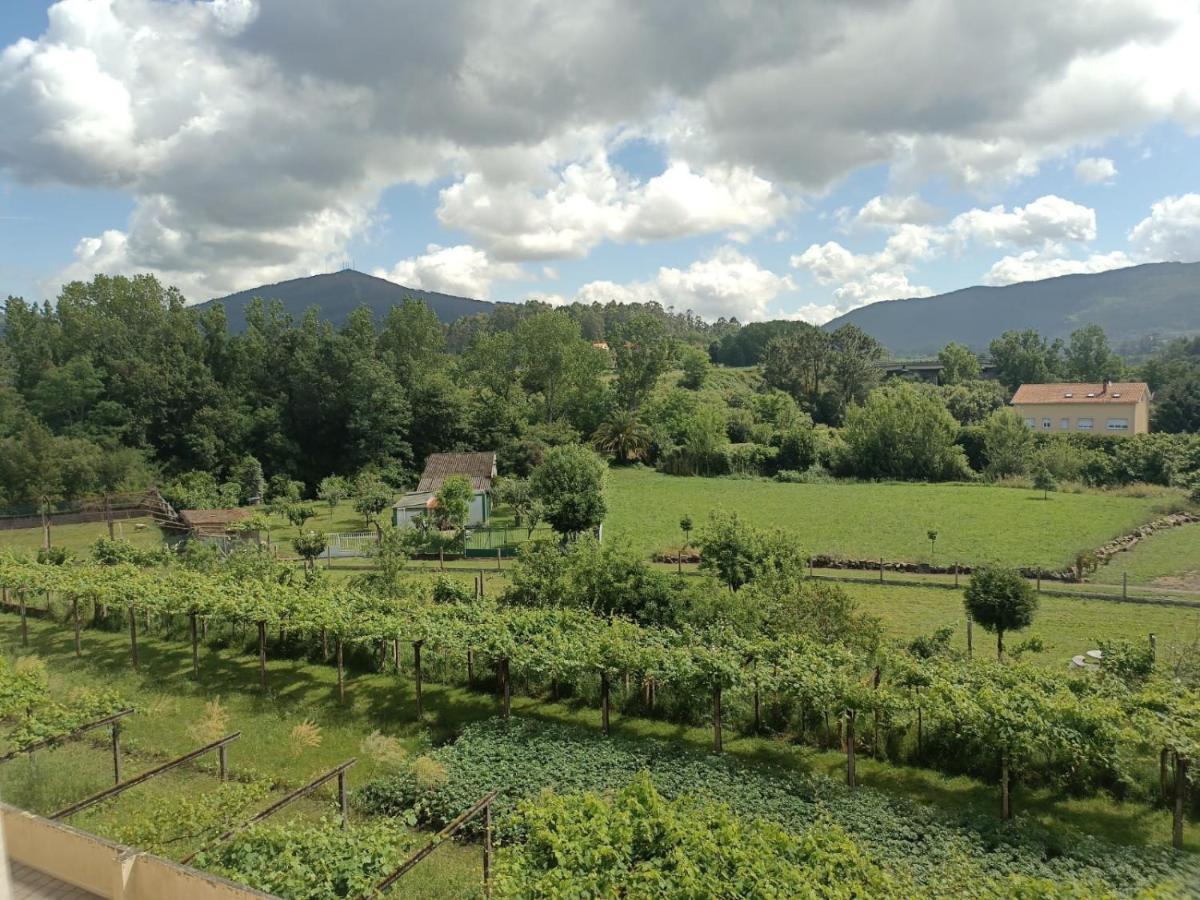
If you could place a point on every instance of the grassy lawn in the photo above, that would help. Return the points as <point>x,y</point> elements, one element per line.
<point>1168,559</point>
<point>976,523</point>
<point>171,704</point>
<point>1066,626</point>
<point>80,537</point>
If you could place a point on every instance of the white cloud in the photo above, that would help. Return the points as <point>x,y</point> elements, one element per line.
<point>590,201</point>
<point>1171,231</point>
<point>1048,219</point>
<point>886,211</point>
<point>728,284</point>
<point>866,277</point>
<point>1033,265</point>
<point>463,270</point>
<point>1095,170</point>
<point>258,137</point>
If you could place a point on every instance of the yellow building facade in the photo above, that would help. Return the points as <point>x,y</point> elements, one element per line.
<point>1106,408</point>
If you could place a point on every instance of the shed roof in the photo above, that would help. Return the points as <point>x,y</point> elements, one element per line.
<point>1114,392</point>
<point>479,468</point>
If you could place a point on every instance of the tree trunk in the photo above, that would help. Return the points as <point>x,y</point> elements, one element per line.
<point>470,668</point>
<point>999,645</point>
<point>851,760</point>
<point>1164,783</point>
<point>324,645</point>
<point>1181,765</point>
<point>970,638</point>
<point>262,655</point>
<point>195,645</point>
<point>75,620</point>
<point>24,622</point>
<point>417,679</point>
<point>604,700</point>
<point>396,655</point>
<point>717,746</point>
<point>1005,796</point>
<point>133,638</point>
<point>341,671</point>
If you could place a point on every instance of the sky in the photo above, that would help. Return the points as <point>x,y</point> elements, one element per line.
<point>736,158</point>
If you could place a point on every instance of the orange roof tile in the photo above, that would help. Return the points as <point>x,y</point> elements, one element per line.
<point>1117,392</point>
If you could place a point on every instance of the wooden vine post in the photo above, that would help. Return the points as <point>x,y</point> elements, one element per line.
<point>193,627</point>
<point>133,643</point>
<point>851,759</point>
<point>262,654</point>
<point>416,645</point>
<point>505,689</point>
<point>1181,767</point>
<point>604,700</point>
<point>341,672</point>
<point>717,745</point>
<point>24,623</point>
<point>1005,795</point>
<point>75,621</point>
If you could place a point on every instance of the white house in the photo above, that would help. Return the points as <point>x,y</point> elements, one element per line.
<point>478,468</point>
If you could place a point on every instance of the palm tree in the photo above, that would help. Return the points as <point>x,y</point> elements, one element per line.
<point>623,435</point>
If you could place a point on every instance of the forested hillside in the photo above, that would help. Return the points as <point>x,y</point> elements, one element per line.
<point>1161,299</point>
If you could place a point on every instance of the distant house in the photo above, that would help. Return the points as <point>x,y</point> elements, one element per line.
<point>478,468</point>
<point>218,523</point>
<point>1108,408</point>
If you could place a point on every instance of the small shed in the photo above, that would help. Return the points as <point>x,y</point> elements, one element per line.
<point>478,468</point>
<point>216,523</point>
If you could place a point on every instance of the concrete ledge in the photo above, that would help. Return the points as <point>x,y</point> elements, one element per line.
<point>107,869</point>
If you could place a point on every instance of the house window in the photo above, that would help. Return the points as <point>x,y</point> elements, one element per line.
<point>1118,425</point>
<point>1045,424</point>
<point>1064,424</point>
<point>1029,422</point>
<point>1083,424</point>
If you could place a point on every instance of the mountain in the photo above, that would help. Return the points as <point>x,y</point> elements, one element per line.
<point>338,294</point>
<point>1156,299</point>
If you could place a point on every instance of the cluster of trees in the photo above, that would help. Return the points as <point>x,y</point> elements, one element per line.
<point>119,384</point>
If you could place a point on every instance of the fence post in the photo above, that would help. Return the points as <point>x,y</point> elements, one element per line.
<point>24,624</point>
<point>222,763</point>
<point>329,556</point>
<point>1153,647</point>
<point>116,752</point>
<point>1124,585</point>
<point>343,798</point>
<point>75,617</point>
<point>970,643</point>
<point>506,688</point>
<point>604,701</point>
<point>881,570</point>
<point>498,559</point>
<point>717,718</point>
<point>1039,581</point>
<point>195,645</point>
<point>470,668</point>
<point>417,671</point>
<point>487,850</point>
<point>956,574</point>
<point>482,590</point>
<point>133,637</point>
<point>262,654</point>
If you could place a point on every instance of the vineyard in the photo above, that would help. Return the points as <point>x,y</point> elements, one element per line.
<point>1008,723</point>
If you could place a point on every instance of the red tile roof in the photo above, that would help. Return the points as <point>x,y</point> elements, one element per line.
<point>480,468</point>
<point>1117,392</point>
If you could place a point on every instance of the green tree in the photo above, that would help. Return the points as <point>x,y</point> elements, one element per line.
<point>1044,481</point>
<point>854,372</point>
<point>333,489</point>
<point>623,435</point>
<point>958,363</point>
<point>1176,405</point>
<point>1007,444</point>
<point>299,513</point>
<point>453,504</point>
<point>1000,600</point>
<point>1089,358</point>
<point>371,498</point>
<point>310,545</point>
<point>904,432</point>
<point>570,486</point>
<point>696,368</point>
<point>555,360</point>
<point>797,362</point>
<point>730,548</point>
<point>248,472</point>
<point>641,353</point>
<point>1025,357</point>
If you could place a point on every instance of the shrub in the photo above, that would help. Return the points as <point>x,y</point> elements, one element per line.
<point>906,433</point>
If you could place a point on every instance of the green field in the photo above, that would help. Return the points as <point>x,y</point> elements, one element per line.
<point>1168,559</point>
<point>78,538</point>
<point>1066,626</point>
<point>975,523</point>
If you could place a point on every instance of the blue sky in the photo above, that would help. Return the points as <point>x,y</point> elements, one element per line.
<point>751,162</point>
